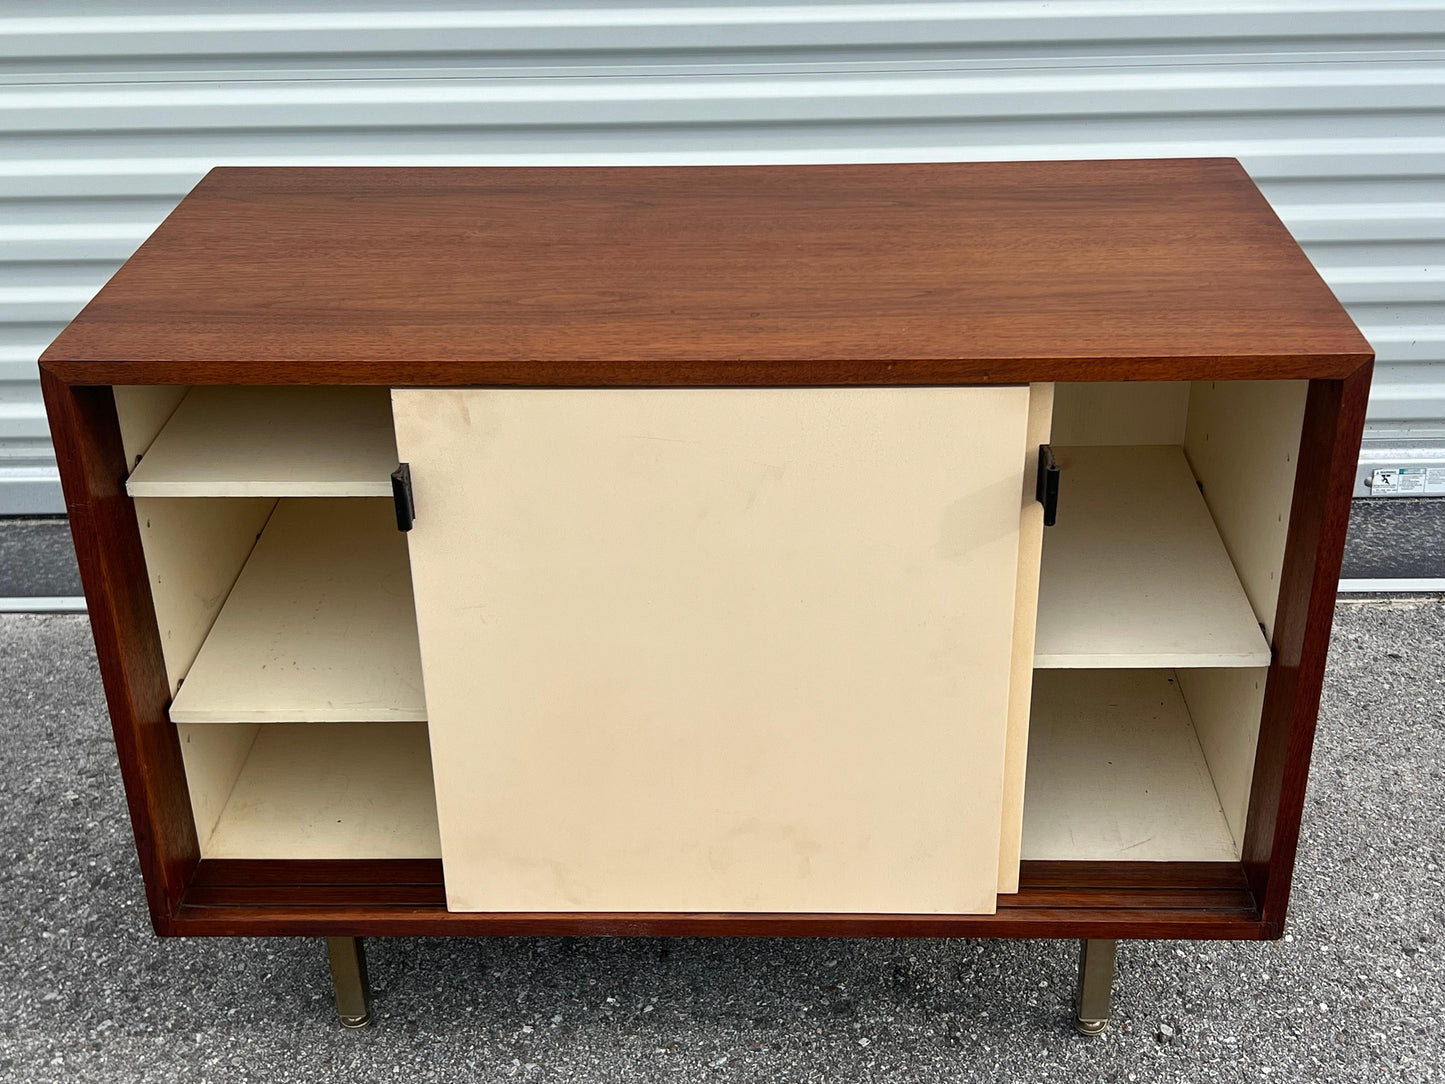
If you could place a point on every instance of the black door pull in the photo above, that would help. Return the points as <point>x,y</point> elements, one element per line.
<point>1047,491</point>
<point>401,495</point>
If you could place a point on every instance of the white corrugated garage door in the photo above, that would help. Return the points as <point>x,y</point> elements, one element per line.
<point>107,118</point>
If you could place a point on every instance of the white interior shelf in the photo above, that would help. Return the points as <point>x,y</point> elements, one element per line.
<point>1116,773</point>
<point>1134,571</point>
<point>319,627</point>
<point>272,442</point>
<point>332,790</point>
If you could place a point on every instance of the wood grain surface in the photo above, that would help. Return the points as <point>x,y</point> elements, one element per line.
<point>1055,899</point>
<point>1334,422</point>
<point>122,615</point>
<point>736,275</point>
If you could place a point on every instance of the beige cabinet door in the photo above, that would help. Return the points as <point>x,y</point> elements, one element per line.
<point>717,649</point>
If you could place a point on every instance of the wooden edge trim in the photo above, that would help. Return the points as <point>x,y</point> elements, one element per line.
<point>366,897</point>
<point>423,871</point>
<point>213,872</point>
<point>88,451</point>
<point>1133,899</point>
<point>1309,581</point>
<point>408,921</point>
<point>282,872</point>
<point>1235,901</point>
<point>1170,875</point>
<point>582,373</point>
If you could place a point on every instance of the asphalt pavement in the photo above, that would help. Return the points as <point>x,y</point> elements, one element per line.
<point>1355,992</point>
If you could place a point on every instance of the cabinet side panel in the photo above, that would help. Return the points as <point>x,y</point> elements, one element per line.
<point>717,650</point>
<point>1320,514</point>
<point>195,548</point>
<point>122,619</point>
<point>143,410</point>
<point>1225,706</point>
<point>1021,673</point>
<point>1242,442</point>
<point>214,756</point>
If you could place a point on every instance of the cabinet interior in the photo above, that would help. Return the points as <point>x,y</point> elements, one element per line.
<point>283,597</point>
<point>1156,615</point>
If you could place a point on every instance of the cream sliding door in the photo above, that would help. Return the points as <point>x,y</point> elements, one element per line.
<point>717,650</point>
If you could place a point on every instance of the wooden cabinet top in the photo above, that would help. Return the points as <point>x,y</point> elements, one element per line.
<point>703,275</point>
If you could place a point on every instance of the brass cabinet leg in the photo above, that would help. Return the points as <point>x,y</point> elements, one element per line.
<point>1096,982</point>
<point>348,979</point>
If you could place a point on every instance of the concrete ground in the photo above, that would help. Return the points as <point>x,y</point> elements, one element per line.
<point>1355,992</point>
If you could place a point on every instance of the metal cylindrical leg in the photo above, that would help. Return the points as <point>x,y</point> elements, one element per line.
<point>1096,983</point>
<point>348,979</point>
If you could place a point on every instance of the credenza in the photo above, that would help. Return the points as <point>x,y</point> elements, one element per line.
<point>840,550</point>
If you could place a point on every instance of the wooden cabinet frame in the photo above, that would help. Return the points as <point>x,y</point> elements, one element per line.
<point>189,896</point>
<point>1244,900</point>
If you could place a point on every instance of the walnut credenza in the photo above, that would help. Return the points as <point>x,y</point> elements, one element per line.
<point>664,550</point>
